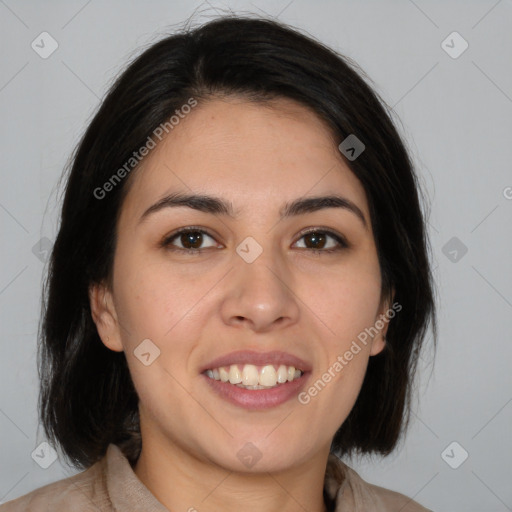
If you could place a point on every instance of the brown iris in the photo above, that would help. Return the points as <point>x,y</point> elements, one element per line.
<point>193,238</point>
<point>315,240</point>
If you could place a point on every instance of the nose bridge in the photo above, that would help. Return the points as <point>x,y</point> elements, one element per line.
<point>260,288</point>
<point>261,269</point>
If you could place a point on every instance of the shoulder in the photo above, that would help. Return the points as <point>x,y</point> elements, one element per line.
<point>86,490</point>
<point>392,500</point>
<point>354,493</point>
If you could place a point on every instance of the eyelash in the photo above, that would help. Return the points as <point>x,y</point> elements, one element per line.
<point>340,240</point>
<point>167,242</point>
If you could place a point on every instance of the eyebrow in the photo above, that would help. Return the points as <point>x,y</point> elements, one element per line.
<point>218,206</point>
<point>202,203</point>
<point>313,204</point>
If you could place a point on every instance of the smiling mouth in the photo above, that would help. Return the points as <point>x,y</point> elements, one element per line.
<point>250,376</point>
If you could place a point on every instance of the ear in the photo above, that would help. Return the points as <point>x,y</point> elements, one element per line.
<point>382,323</point>
<point>105,317</point>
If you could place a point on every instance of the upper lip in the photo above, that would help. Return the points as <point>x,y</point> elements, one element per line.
<point>257,359</point>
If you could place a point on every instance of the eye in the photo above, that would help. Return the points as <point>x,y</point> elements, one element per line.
<point>320,240</point>
<point>189,240</point>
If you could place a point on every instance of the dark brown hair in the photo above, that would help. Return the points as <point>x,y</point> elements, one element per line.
<point>87,398</point>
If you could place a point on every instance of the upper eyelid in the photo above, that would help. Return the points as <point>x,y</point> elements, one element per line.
<point>187,229</point>
<point>328,231</point>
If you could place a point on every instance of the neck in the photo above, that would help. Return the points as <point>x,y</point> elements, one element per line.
<point>181,481</point>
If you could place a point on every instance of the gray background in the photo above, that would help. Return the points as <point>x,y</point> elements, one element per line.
<point>456,115</point>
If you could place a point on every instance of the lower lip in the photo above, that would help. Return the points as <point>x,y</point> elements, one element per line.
<point>257,398</point>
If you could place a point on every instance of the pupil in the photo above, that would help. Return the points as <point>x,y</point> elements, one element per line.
<point>316,239</point>
<point>193,239</point>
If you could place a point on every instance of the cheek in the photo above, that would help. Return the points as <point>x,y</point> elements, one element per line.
<point>154,303</point>
<point>348,302</point>
<point>151,298</point>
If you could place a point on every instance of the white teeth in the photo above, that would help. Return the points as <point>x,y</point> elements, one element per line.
<point>250,375</point>
<point>268,376</point>
<point>224,374</point>
<point>282,374</point>
<point>235,377</point>
<point>254,377</point>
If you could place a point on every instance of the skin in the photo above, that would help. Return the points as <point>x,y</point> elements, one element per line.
<point>196,307</point>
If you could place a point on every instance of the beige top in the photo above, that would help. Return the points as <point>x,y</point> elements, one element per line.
<point>111,485</point>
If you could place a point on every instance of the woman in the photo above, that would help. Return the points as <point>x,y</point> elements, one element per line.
<point>239,288</point>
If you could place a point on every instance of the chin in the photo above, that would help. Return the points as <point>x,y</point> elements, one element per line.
<point>263,455</point>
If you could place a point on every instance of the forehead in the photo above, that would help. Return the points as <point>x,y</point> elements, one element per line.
<point>253,154</point>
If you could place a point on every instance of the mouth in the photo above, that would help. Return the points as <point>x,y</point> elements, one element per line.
<point>256,380</point>
<point>250,376</point>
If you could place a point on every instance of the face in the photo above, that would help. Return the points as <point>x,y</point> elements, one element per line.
<point>268,287</point>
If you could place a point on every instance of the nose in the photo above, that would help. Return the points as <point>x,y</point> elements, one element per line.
<point>259,295</point>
